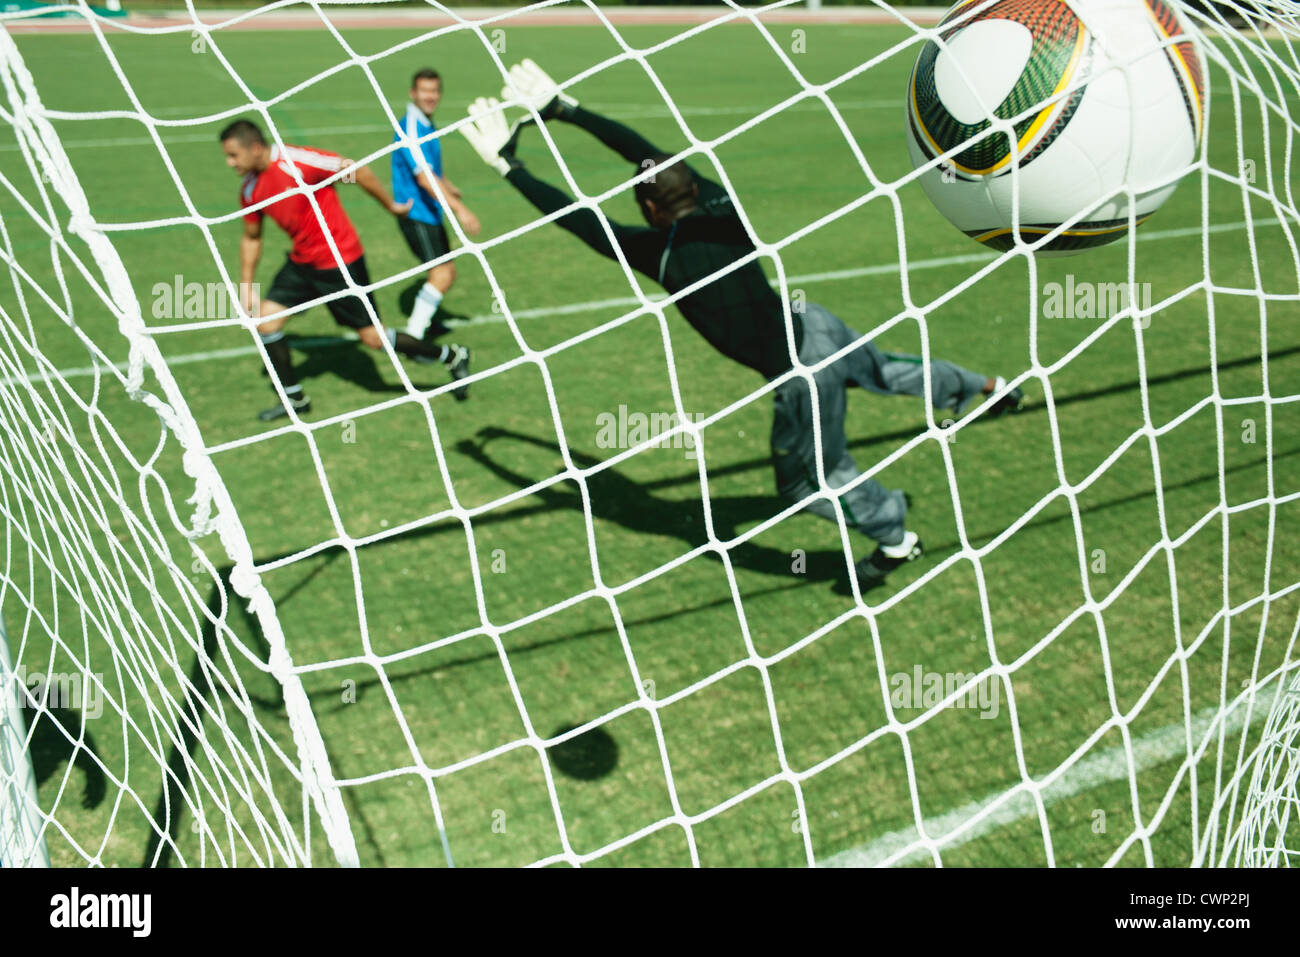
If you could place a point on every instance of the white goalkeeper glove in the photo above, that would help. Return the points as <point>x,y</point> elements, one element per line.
<point>530,84</point>
<point>491,136</point>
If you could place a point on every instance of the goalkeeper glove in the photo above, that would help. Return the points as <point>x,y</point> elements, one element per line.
<point>537,91</point>
<point>492,138</point>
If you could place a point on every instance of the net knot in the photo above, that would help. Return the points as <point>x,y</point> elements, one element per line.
<point>279,663</point>
<point>81,224</point>
<point>202,521</point>
<point>244,580</point>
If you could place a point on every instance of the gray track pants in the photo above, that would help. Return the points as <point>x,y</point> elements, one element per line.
<point>874,510</point>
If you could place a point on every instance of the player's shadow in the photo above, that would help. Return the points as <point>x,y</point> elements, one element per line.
<point>169,814</point>
<point>59,737</point>
<point>348,359</point>
<point>619,499</point>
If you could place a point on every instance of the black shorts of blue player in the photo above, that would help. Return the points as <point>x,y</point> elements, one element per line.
<point>427,240</point>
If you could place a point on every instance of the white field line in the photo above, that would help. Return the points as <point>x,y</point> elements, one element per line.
<point>598,304</point>
<point>1105,767</point>
<point>381,126</point>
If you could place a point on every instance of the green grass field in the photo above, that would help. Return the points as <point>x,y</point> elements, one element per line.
<point>753,744</point>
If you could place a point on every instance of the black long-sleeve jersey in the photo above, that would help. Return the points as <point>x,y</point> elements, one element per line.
<point>739,313</point>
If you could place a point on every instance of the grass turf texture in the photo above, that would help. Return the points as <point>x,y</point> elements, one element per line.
<point>571,667</point>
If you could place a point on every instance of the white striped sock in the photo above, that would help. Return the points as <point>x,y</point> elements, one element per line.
<point>426,304</point>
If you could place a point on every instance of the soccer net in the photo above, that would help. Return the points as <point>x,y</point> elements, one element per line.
<point>194,673</point>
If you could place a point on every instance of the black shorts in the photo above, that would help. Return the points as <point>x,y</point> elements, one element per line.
<point>297,283</point>
<point>426,240</point>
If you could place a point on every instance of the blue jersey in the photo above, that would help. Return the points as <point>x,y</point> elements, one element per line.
<point>405,186</point>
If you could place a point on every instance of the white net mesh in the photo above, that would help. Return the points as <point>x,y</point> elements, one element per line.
<point>271,687</point>
<point>1266,836</point>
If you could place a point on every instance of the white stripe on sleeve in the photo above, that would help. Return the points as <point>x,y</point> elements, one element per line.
<point>305,157</point>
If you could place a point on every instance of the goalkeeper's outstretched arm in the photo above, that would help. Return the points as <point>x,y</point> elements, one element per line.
<point>531,83</point>
<point>495,143</point>
<point>623,140</point>
<point>583,223</point>
<point>538,91</point>
<point>632,146</point>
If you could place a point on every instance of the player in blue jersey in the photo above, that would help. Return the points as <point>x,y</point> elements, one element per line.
<point>414,170</point>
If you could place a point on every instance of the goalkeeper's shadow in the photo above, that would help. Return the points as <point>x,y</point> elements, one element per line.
<point>61,737</point>
<point>633,505</point>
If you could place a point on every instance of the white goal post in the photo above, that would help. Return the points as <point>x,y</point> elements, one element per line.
<point>22,829</point>
<point>160,574</point>
<point>213,514</point>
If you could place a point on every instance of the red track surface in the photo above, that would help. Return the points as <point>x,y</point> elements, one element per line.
<point>568,15</point>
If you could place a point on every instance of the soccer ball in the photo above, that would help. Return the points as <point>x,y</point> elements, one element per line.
<point>1104,97</point>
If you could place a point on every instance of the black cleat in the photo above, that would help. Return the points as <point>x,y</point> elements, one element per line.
<point>278,411</point>
<point>1013,401</point>
<point>873,569</point>
<point>459,369</point>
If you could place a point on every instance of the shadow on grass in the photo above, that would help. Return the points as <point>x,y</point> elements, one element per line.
<point>349,360</point>
<point>632,505</point>
<point>169,815</point>
<point>635,510</point>
<point>588,757</point>
<point>59,736</point>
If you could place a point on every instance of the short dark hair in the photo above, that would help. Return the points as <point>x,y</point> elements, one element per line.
<point>245,132</point>
<point>428,73</point>
<point>672,188</point>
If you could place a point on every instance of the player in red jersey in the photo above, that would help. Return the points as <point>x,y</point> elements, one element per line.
<point>312,269</point>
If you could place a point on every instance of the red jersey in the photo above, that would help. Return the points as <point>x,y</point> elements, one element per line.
<point>294,214</point>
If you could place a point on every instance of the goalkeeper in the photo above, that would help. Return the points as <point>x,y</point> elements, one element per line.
<point>694,232</point>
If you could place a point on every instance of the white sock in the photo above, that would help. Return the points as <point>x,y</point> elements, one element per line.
<point>999,384</point>
<point>426,304</point>
<point>903,548</point>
